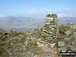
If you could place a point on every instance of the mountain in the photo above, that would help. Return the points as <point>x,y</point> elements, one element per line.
<point>66,20</point>
<point>22,23</point>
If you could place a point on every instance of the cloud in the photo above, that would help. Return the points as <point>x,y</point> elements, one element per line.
<point>1,15</point>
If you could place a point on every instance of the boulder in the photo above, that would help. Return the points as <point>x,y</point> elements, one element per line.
<point>61,43</point>
<point>73,48</point>
<point>74,34</point>
<point>67,39</point>
<point>67,32</point>
<point>47,54</point>
<point>62,49</point>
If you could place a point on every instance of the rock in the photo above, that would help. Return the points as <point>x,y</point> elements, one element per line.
<point>52,29</point>
<point>71,23</point>
<point>29,54</point>
<point>74,43</point>
<point>74,34</point>
<point>51,32</point>
<point>35,56</point>
<point>67,32</point>
<point>26,43</point>
<point>61,43</point>
<point>63,49</point>
<point>33,38</point>
<point>74,37</point>
<point>73,48</point>
<point>74,27</point>
<point>47,54</point>
<point>52,45</point>
<point>67,39</point>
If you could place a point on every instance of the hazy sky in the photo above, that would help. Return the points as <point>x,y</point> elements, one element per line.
<point>37,7</point>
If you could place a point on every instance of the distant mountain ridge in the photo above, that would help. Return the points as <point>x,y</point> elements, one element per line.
<point>27,23</point>
<point>67,19</point>
<point>20,22</point>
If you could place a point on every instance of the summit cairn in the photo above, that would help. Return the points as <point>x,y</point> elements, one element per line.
<point>51,19</point>
<point>51,25</point>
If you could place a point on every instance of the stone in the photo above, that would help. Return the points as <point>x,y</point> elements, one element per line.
<point>74,37</point>
<point>67,32</point>
<point>74,34</point>
<point>74,27</point>
<point>29,54</point>
<point>33,38</point>
<point>61,43</point>
<point>35,56</point>
<point>74,43</point>
<point>73,48</point>
<point>52,29</point>
<point>52,45</point>
<point>67,39</point>
<point>47,54</point>
<point>26,43</point>
<point>71,23</point>
<point>63,49</point>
